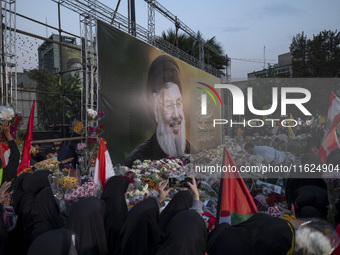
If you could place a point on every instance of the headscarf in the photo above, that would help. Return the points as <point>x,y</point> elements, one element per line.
<point>54,242</point>
<point>186,234</point>
<point>180,202</point>
<point>260,234</point>
<point>115,210</point>
<point>141,234</point>
<point>311,196</point>
<point>225,239</point>
<point>87,221</point>
<point>297,180</point>
<point>18,190</point>
<point>36,181</point>
<point>22,204</point>
<point>46,214</point>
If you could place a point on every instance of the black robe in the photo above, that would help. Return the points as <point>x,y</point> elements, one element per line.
<point>115,210</point>
<point>54,242</point>
<point>86,219</point>
<point>141,234</point>
<point>45,212</point>
<point>186,234</point>
<point>150,149</point>
<point>260,234</point>
<point>180,202</point>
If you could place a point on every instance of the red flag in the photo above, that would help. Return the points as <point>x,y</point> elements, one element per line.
<point>103,169</point>
<point>26,156</point>
<point>4,154</point>
<point>235,202</point>
<point>330,141</point>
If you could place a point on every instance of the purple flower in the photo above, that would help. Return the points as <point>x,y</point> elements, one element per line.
<point>13,131</point>
<point>100,113</point>
<point>91,130</point>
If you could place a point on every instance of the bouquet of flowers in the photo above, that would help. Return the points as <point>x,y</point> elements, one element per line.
<point>48,164</point>
<point>7,113</point>
<point>91,130</point>
<point>68,187</point>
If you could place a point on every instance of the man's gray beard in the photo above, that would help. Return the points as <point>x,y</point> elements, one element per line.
<point>172,147</point>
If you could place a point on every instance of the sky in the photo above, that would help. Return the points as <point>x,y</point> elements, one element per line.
<point>252,33</point>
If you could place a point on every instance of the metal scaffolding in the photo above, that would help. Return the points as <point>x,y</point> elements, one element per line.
<point>8,70</point>
<point>180,24</point>
<point>151,22</point>
<point>88,41</point>
<point>90,11</point>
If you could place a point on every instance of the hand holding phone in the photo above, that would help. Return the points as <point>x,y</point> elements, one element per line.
<point>162,192</point>
<point>176,182</point>
<point>194,188</point>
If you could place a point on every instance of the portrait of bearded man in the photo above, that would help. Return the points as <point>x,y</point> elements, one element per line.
<point>165,105</point>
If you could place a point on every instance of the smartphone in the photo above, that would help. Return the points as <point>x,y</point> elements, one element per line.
<point>176,182</point>
<point>205,217</point>
<point>9,210</point>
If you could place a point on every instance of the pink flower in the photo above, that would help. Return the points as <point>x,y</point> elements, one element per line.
<point>81,146</point>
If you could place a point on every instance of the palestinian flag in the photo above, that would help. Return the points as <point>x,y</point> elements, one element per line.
<point>235,203</point>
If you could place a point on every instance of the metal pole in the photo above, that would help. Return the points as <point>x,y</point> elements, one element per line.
<point>60,70</point>
<point>133,17</point>
<point>114,14</point>
<point>2,57</point>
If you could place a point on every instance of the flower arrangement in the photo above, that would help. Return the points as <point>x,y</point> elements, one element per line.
<point>78,127</point>
<point>27,170</point>
<point>87,189</point>
<point>69,189</point>
<point>7,113</point>
<point>48,164</point>
<point>68,182</point>
<point>90,130</point>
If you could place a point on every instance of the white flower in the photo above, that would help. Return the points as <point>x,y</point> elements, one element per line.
<point>91,113</point>
<point>145,189</point>
<point>7,114</point>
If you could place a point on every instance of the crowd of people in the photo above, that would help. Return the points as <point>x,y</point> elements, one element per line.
<point>33,224</point>
<point>106,226</point>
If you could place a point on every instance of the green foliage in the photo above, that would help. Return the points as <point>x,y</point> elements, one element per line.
<point>191,46</point>
<point>58,102</point>
<point>317,57</point>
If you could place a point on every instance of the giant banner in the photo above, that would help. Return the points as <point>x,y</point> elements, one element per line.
<point>145,95</point>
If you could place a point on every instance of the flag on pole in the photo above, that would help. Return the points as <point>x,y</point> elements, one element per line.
<point>235,203</point>
<point>26,156</point>
<point>240,131</point>
<point>103,168</point>
<point>330,141</point>
<point>290,130</point>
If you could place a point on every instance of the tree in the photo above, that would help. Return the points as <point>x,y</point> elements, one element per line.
<point>299,50</point>
<point>324,54</point>
<point>317,57</point>
<point>190,45</point>
<point>52,99</point>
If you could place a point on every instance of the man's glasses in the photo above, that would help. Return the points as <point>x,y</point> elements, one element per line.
<point>170,107</point>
